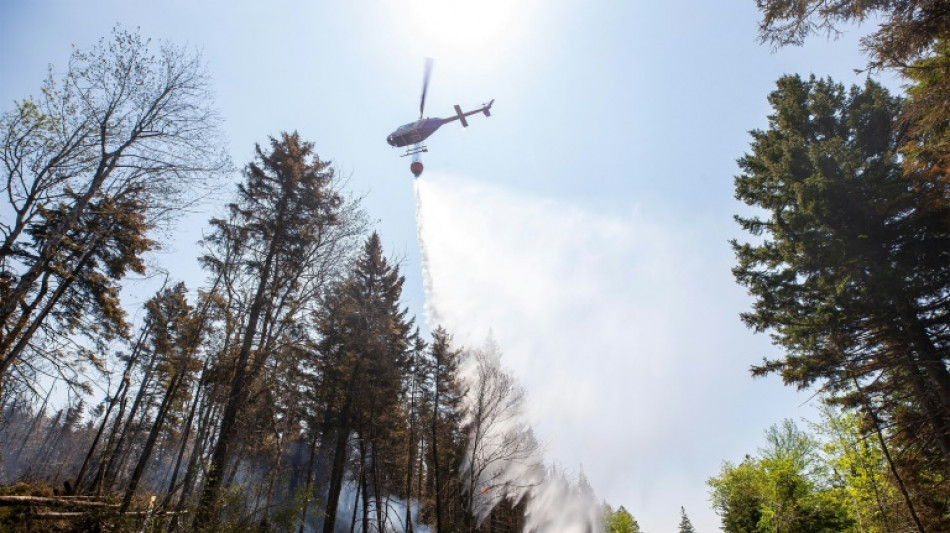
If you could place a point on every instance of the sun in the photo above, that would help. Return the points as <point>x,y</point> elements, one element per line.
<point>464,31</point>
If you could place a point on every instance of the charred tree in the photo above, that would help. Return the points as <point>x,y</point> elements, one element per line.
<point>290,223</point>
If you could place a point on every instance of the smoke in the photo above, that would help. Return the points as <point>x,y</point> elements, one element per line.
<point>393,511</point>
<point>503,460</point>
<point>563,504</point>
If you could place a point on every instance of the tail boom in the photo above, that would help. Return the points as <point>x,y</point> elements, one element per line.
<point>460,115</point>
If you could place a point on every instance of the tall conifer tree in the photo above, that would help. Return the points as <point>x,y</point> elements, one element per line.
<point>685,525</point>
<point>445,438</point>
<point>850,270</point>
<point>367,339</point>
<point>285,224</point>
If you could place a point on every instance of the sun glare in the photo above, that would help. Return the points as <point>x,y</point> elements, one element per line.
<point>465,31</point>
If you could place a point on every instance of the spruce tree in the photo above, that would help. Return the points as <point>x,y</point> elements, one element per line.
<point>849,268</point>
<point>281,240</point>
<point>685,525</point>
<point>445,439</point>
<point>366,343</point>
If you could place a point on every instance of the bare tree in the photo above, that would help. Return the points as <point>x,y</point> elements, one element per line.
<point>503,458</point>
<point>123,122</point>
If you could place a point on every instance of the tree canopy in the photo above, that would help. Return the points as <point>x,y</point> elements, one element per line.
<point>908,30</point>
<point>849,264</point>
<point>783,489</point>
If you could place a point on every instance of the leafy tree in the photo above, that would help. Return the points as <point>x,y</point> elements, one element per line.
<point>861,471</point>
<point>737,497</point>
<point>783,490</point>
<point>496,440</point>
<point>685,525</point>
<point>619,521</point>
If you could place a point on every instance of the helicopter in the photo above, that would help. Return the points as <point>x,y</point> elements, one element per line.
<point>414,133</point>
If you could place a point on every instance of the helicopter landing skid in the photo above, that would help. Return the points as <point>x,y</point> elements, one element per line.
<point>418,149</point>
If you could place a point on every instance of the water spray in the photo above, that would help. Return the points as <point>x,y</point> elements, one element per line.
<point>504,461</point>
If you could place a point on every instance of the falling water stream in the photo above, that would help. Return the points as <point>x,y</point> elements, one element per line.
<point>554,500</point>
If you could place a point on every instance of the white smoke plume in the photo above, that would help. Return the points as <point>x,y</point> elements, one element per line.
<point>503,460</point>
<point>393,511</point>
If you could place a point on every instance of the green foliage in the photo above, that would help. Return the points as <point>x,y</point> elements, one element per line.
<point>907,29</point>
<point>782,490</point>
<point>850,268</point>
<point>860,471</point>
<point>737,496</point>
<point>619,521</point>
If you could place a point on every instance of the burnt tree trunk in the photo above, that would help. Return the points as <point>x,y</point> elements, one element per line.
<point>240,382</point>
<point>146,454</point>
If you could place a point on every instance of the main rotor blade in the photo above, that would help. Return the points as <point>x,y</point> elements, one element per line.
<point>425,86</point>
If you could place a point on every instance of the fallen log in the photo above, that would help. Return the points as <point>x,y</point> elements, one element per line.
<point>51,501</point>
<point>56,515</point>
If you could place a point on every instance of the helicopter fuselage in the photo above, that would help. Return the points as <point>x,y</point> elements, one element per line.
<point>414,132</point>
<point>420,130</point>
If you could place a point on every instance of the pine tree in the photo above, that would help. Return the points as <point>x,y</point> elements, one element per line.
<point>176,334</point>
<point>852,268</point>
<point>494,443</point>
<point>685,525</point>
<point>366,343</point>
<point>908,29</point>
<point>445,439</point>
<point>417,384</point>
<point>913,40</point>
<point>283,234</point>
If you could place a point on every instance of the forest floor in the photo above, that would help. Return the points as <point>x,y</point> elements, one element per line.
<point>37,507</point>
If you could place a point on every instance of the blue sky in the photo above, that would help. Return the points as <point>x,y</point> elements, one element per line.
<point>601,188</point>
